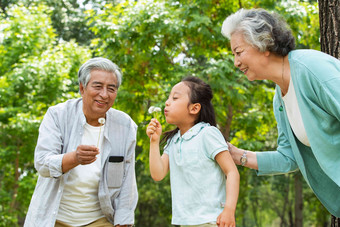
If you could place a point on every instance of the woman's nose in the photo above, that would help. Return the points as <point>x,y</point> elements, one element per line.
<point>237,62</point>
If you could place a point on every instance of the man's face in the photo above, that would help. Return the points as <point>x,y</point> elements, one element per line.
<point>99,95</point>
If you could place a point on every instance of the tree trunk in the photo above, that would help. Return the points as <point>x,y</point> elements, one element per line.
<point>298,200</point>
<point>329,14</point>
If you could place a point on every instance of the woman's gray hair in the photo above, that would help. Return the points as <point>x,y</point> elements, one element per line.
<point>261,29</point>
<point>84,73</point>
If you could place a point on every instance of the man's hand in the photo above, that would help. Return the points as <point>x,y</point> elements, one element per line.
<point>86,154</point>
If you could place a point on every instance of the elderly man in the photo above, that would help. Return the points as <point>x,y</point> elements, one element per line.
<point>85,157</point>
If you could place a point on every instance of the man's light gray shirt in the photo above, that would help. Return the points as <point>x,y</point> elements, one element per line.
<point>60,132</point>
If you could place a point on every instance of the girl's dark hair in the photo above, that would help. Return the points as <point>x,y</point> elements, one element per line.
<point>200,92</point>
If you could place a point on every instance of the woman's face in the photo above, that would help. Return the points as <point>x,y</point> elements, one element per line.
<point>248,58</point>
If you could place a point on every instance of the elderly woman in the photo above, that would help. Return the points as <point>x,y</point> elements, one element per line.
<point>306,103</point>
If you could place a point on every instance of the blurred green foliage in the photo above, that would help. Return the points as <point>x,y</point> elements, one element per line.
<point>156,43</point>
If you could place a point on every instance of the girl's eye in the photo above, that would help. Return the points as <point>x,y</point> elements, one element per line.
<point>174,98</point>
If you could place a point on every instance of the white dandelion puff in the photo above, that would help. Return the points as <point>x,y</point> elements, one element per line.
<point>101,120</point>
<point>151,109</point>
<point>155,111</point>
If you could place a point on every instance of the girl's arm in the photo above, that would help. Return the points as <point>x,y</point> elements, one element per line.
<point>227,217</point>
<point>159,165</point>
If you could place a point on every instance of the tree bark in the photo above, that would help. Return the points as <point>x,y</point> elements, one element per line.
<point>298,200</point>
<point>329,15</point>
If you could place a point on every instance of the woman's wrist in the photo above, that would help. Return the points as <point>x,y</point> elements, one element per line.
<point>251,160</point>
<point>243,157</point>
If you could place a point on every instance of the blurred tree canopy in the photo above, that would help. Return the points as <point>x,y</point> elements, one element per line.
<point>156,43</point>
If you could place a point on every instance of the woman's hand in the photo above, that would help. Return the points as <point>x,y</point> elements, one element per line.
<point>236,154</point>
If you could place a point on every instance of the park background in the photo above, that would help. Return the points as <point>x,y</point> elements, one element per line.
<point>155,43</point>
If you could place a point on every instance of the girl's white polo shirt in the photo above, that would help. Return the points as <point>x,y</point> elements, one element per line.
<point>197,181</point>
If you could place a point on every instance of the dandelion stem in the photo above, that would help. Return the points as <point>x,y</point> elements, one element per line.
<point>101,122</point>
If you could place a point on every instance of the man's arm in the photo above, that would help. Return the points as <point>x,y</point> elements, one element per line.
<point>48,152</point>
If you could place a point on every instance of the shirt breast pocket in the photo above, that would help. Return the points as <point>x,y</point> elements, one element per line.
<point>115,171</point>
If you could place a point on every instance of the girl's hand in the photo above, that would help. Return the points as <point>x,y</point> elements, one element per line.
<point>226,218</point>
<point>154,130</point>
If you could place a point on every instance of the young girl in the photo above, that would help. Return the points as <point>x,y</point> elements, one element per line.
<point>204,178</point>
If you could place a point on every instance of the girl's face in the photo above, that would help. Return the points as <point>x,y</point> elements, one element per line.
<point>177,105</point>
<point>248,58</point>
